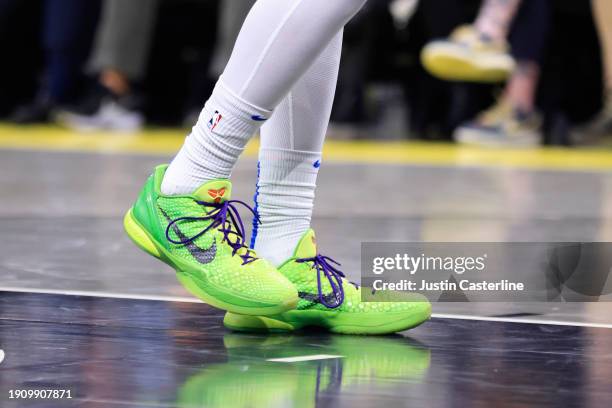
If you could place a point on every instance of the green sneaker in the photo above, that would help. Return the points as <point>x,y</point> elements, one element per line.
<point>202,236</point>
<point>329,301</point>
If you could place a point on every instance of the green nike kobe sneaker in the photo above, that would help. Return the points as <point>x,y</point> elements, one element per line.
<point>329,301</point>
<point>202,236</point>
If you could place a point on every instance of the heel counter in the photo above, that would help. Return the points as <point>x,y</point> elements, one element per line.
<point>145,210</point>
<point>145,203</point>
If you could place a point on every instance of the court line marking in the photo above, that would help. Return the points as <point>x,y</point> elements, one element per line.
<point>304,358</point>
<point>520,320</point>
<point>110,295</point>
<point>186,299</point>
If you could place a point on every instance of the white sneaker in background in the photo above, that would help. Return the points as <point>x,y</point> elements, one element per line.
<point>110,116</point>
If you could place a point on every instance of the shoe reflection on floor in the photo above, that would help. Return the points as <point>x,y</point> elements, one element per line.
<point>249,379</point>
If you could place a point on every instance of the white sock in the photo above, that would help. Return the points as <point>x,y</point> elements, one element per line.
<point>284,200</point>
<point>290,157</point>
<point>211,150</point>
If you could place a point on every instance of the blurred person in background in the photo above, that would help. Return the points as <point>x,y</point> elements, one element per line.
<point>368,49</point>
<point>67,32</point>
<point>150,60</point>
<point>119,62</point>
<point>601,125</point>
<point>231,16</point>
<point>481,53</point>
<point>19,19</point>
<point>435,107</point>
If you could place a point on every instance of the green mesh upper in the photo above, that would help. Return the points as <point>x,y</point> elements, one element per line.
<point>255,280</point>
<point>304,277</point>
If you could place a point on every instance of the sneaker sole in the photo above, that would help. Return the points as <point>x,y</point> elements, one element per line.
<point>483,138</point>
<point>452,64</point>
<point>144,241</point>
<point>371,324</point>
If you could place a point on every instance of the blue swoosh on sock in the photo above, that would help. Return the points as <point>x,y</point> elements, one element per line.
<point>256,208</point>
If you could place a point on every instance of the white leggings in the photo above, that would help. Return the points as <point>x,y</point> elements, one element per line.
<point>300,121</point>
<point>278,43</point>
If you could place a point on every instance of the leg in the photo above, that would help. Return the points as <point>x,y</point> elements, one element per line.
<point>184,215</point>
<point>119,60</point>
<point>67,30</point>
<point>123,42</point>
<point>601,125</point>
<point>288,163</point>
<point>513,121</point>
<point>290,156</point>
<point>277,44</point>
<point>521,89</point>
<point>529,38</point>
<point>495,18</point>
<point>603,14</point>
<point>67,39</point>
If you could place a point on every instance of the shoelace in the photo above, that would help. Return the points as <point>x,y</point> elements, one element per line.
<point>325,265</point>
<point>219,216</point>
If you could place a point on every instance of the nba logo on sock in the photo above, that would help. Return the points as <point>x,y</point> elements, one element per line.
<point>214,121</point>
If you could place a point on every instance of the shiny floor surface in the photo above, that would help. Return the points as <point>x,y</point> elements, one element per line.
<point>134,337</point>
<point>61,219</point>
<point>118,352</point>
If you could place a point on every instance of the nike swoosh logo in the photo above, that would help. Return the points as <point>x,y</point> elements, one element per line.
<point>311,297</point>
<point>258,118</point>
<point>203,256</point>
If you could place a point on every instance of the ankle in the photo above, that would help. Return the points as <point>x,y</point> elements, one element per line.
<point>210,152</point>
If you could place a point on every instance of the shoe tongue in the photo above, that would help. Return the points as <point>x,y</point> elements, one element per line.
<point>215,191</point>
<point>307,247</point>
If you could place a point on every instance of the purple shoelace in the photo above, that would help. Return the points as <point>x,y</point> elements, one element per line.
<point>325,265</point>
<point>224,216</point>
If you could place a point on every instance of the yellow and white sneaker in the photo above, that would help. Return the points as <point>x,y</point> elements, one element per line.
<point>501,126</point>
<point>468,56</point>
